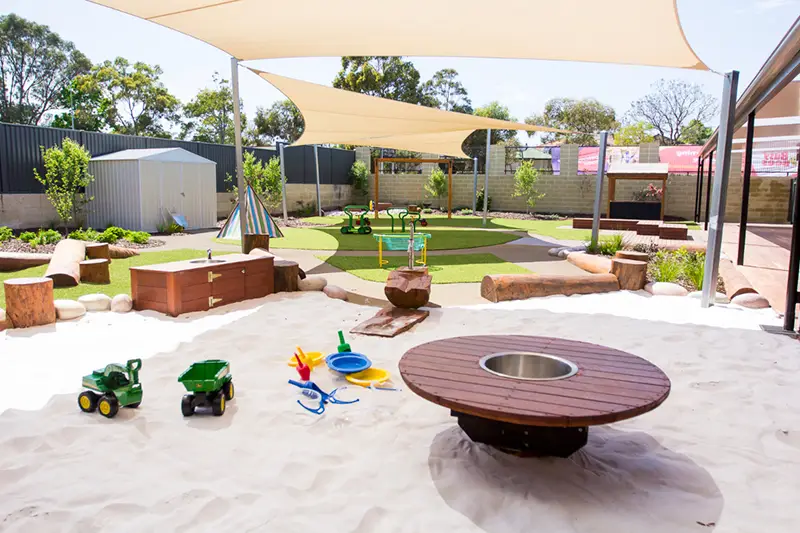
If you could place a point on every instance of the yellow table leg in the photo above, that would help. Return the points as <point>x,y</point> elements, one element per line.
<point>424,260</point>
<point>381,261</point>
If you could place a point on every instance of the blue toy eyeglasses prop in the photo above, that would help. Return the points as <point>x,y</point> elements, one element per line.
<point>311,390</point>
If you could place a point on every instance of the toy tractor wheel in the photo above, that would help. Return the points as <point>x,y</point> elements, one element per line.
<point>423,222</point>
<point>345,230</point>
<point>87,401</point>
<point>218,405</point>
<point>186,405</point>
<point>228,391</point>
<point>108,406</point>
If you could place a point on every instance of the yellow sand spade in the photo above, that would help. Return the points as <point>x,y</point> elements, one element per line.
<point>311,359</point>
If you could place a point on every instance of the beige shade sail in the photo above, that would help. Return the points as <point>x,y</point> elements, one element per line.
<point>343,117</point>
<point>638,32</point>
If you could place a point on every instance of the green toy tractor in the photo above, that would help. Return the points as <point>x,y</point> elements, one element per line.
<point>117,386</point>
<point>361,221</point>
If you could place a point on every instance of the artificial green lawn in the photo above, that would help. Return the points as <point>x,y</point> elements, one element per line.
<point>120,276</point>
<point>465,268</point>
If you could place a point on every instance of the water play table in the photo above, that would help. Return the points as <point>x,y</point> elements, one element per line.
<point>399,242</point>
<point>561,388</point>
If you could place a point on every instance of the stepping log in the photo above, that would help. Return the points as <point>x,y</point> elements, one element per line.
<point>255,240</point>
<point>630,254</point>
<point>504,287</point>
<point>29,302</point>
<point>98,250</point>
<point>632,274</point>
<point>735,282</point>
<point>596,264</point>
<point>390,321</point>
<point>118,252</point>
<point>408,288</point>
<point>12,261</point>
<point>285,275</point>
<point>95,271</point>
<point>64,268</point>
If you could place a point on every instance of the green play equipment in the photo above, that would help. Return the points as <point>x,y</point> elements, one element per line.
<point>362,221</point>
<point>117,386</point>
<point>209,383</point>
<point>411,213</point>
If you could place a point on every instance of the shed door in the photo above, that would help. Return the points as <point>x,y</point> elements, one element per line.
<point>172,194</point>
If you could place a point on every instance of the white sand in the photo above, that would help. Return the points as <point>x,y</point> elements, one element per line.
<point>724,448</point>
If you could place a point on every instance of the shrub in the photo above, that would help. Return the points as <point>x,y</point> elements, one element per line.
<point>694,268</point>
<point>606,245</point>
<point>666,267</point>
<point>264,179</point>
<point>65,179</point>
<point>27,236</point>
<point>306,209</point>
<point>359,176</point>
<point>5,233</point>
<point>137,237</point>
<point>479,201</point>
<point>41,237</point>
<point>464,212</point>
<point>525,179</point>
<point>81,234</point>
<point>426,211</point>
<point>111,235</point>
<point>437,184</point>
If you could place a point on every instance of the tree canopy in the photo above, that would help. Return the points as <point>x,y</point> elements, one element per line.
<point>35,66</point>
<point>446,92</point>
<point>386,77</point>
<point>208,117</point>
<point>634,134</point>
<point>695,133</point>
<point>587,116</point>
<point>87,108</point>
<point>475,144</point>
<point>671,107</point>
<point>281,122</point>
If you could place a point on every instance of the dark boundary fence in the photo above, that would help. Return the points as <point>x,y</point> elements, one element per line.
<point>20,154</point>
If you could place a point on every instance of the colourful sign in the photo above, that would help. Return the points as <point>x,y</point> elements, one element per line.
<point>681,159</point>
<point>587,157</point>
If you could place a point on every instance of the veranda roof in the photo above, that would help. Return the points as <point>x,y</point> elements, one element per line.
<point>580,30</point>
<point>344,117</point>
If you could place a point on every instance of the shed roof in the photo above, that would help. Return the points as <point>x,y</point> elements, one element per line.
<point>171,155</point>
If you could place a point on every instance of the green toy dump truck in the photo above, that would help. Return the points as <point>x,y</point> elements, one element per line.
<point>210,384</point>
<point>113,387</point>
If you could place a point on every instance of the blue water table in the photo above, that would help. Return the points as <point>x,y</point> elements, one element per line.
<point>398,242</point>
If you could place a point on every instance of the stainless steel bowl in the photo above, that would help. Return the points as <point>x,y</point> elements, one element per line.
<point>528,365</point>
<point>207,261</point>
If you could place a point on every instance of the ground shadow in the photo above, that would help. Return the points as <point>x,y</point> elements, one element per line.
<point>779,236</point>
<point>621,481</point>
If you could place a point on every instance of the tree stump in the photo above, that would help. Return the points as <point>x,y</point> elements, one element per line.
<point>255,240</point>
<point>408,288</point>
<point>504,287</point>
<point>98,250</point>
<point>64,268</point>
<point>285,275</point>
<point>95,271</point>
<point>29,302</point>
<point>630,254</point>
<point>632,274</point>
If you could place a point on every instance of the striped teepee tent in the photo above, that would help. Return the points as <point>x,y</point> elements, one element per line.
<point>258,220</point>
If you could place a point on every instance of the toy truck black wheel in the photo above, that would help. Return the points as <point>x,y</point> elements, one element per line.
<point>87,401</point>
<point>187,405</point>
<point>227,389</point>
<point>345,230</point>
<point>218,404</point>
<point>108,406</point>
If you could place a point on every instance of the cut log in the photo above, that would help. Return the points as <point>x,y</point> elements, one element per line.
<point>95,271</point>
<point>408,288</point>
<point>632,274</point>
<point>504,287</point>
<point>97,250</point>
<point>4,322</point>
<point>735,282</point>
<point>596,264</point>
<point>29,302</point>
<point>118,252</point>
<point>255,240</point>
<point>13,261</point>
<point>266,253</point>
<point>285,275</point>
<point>630,254</point>
<point>390,321</point>
<point>64,268</point>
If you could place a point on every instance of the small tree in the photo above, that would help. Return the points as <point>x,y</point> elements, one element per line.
<point>437,184</point>
<point>264,179</point>
<point>66,178</point>
<point>359,175</point>
<point>525,179</point>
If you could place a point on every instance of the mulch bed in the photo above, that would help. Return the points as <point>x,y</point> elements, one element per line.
<point>15,245</point>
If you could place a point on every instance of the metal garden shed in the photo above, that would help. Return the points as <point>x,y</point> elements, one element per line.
<point>140,189</point>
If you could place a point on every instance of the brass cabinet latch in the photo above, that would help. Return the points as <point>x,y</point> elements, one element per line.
<point>212,301</point>
<point>212,276</point>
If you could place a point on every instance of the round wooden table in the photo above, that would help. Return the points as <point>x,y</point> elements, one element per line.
<point>533,417</point>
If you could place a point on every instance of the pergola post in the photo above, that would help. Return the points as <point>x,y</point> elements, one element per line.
<point>316,162</point>
<point>237,135</point>
<point>486,180</point>
<point>474,183</point>
<point>450,189</point>
<point>283,182</point>
<point>377,164</point>
<point>698,189</point>
<point>748,168</point>
<point>792,296</point>
<point>708,189</point>
<point>717,219</point>
<point>598,187</point>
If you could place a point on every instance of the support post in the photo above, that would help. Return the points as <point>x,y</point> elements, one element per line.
<point>708,189</point>
<point>792,295</point>
<point>598,187</point>
<point>377,186</point>
<point>316,162</point>
<point>748,168</point>
<point>474,183</point>
<point>486,179</point>
<point>237,134</point>
<point>450,189</point>
<point>283,182</point>
<point>717,219</point>
<point>698,201</point>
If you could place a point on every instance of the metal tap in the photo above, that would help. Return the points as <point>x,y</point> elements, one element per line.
<point>209,254</point>
<point>411,244</point>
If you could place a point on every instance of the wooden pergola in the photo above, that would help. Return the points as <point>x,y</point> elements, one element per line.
<point>448,162</point>
<point>638,171</point>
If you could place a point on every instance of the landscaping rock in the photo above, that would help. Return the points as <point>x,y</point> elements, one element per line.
<point>751,300</point>
<point>336,292</point>
<point>660,288</point>
<point>69,309</point>
<point>554,251</point>
<point>96,302</point>
<point>312,283</point>
<point>4,324</point>
<point>121,303</point>
<point>720,298</point>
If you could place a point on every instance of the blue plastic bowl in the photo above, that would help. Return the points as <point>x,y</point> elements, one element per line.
<point>348,362</point>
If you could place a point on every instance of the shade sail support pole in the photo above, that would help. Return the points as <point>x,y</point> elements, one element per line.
<point>450,189</point>
<point>474,183</point>
<point>748,169</point>
<point>283,182</point>
<point>792,295</point>
<point>598,187</point>
<point>486,179</point>
<point>699,205</point>
<point>316,162</point>
<point>716,222</point>
<point>708,190</point>
<point>237,134</point>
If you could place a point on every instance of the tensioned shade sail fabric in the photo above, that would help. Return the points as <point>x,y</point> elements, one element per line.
<point>637,32</point>
<point>343,117</point>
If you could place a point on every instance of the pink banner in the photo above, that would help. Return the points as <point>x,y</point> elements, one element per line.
<point>587,156</point>
<point>775,163</point>
<point>681,159</point>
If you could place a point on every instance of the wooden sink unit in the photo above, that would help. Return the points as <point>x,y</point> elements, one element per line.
<point>185,286</point>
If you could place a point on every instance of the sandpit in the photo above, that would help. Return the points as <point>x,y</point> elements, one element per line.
<point>721,454</point>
